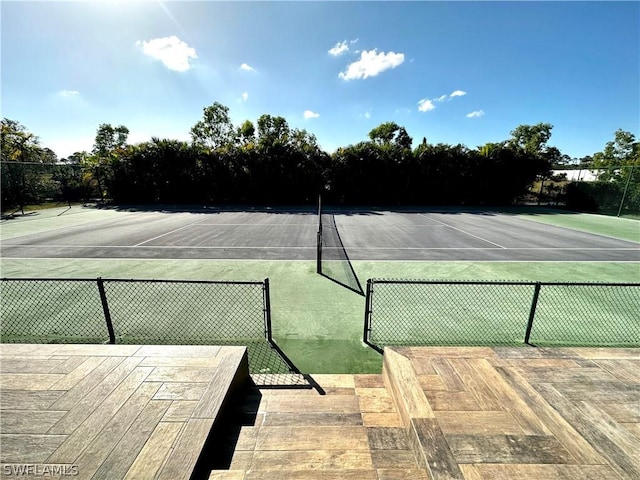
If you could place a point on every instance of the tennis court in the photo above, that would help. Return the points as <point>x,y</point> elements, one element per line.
<point>316,322</point>
<point>291,235</point>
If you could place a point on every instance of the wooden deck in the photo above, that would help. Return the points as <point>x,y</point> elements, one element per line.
<point>111,411</point>
<point>451,413</point>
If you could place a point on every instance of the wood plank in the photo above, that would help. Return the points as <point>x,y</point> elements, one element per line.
<point>394,459</point>
<point>482,423</point>
<point>607,353</point>
<point>634,428</point>
<point>334,380</point>
<point>423,365</point>
<point>566,375</point>
<point>287,461</point>
<point>28,365</point>
<point>28,448</point>
<point>626,412</point>
<point>125,452</point>
<point>388,438</point>
<point>374,419</point>
<point>180,411</point>
<point>309,438</point>
<point>180,351</point>
<point>232,372</point>
<point>406,392</point>
<point>431,382</point>
<point>368,381</point>
<point>83,425</point>
<point>28,381</point>
<point>510,400</point>
<point>181,391</point>
<point>28,349</point>
<point>537,363</point>
<point>227,475</point>
<point>68,364</point>
<point>475,385</point>
<point>401,474</point>
<point>595,426</point>
<point>202,362</point>
<point>313,419</point>
<point>453,401</point>
<point>627,371</point>
<point>29,399</point>
<point>102,380</point>
<point>28,421</point>
<point>609,427</point>
<point>432,450</point>
<point>313,404</point>
<point>151,457</point>
<point>448,375</point>
<point>76,375</point>
<point>454,352</point>
<point>535,352</point>
<point>610,392</point>
<point>97,450</point>
<point>581,450</point>
<point>507,449</point>
<point>546,472</point>
<point>375,400</point>
<point>182,374</point>
<point>184,456</point>
<point>313,475</point>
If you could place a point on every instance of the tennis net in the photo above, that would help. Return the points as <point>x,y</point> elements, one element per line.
<point>332,258</point>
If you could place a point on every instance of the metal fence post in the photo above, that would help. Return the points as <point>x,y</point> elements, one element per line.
<point>105,308</point>
<point>319,252</point>
<point>367,312</point>
<point>532,312</point>
<point>267,311</point>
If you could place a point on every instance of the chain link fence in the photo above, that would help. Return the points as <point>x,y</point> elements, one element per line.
<point>412,312</point>
<point>142,312</point>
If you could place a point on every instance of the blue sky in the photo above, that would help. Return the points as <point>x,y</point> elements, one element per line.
<point>453,72</point>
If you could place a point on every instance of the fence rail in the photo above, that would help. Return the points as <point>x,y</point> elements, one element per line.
<point>422,312</point>
<point>100,310</point>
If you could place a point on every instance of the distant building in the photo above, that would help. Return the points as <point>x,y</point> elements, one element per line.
<point>579,175</point>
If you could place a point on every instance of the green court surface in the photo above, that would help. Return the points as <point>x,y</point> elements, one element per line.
<point>622,228</point>
<point>316,322</point>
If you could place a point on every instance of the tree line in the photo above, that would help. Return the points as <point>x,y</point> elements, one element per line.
<point>271,163</point>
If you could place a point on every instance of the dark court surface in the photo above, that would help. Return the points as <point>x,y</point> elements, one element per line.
<point>272,234</point>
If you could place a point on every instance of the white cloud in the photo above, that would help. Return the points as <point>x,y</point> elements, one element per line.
<point>367,114</point>
<point>310,114</point>
<point>477,113</point>
<point>425,105</point>
<point>371,63</point>
<point>68,93</point>
<point>171,51</point>
<point>457,93</point>
<point>247,68</point>
<point>441,98</point>
<point>245,96</point>
<point>339,48</point>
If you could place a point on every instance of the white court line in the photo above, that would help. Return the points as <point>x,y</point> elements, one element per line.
<point>203,247</point>
<point>260,224</point>
<point>462,231</point>
<point>167,233</point>
<point>159,247</point>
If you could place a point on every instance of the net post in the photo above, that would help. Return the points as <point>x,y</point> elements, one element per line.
<point>532,312</point>
<point>267,311</point>
<point>319,253</point>
<point>105,309</point>
<point>367,312</point>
